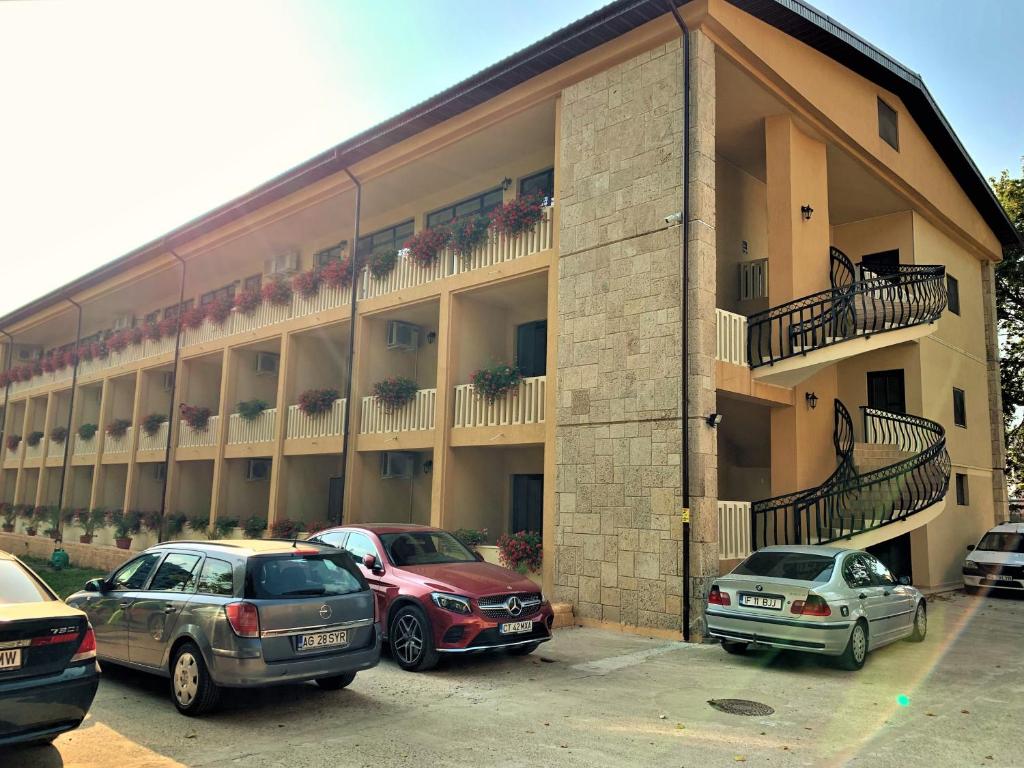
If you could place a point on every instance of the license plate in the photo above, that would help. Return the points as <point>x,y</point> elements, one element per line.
<point>999,577</point>
<point>10,658</point>
<point>516,628</point>
<point>761,601</point>
<point>319,640</point>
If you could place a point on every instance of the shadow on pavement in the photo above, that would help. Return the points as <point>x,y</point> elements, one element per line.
<point>35,756</point>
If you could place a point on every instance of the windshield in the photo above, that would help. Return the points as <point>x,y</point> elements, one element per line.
<point>1002,542</point>
<point>19,586</point>
<point>801,566</point>
<point>272,578</point>
<point>425,548</point>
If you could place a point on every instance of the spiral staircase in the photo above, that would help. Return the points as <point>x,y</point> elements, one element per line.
<point>898,474</point>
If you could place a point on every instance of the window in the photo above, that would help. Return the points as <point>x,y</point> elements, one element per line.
<point>1000,541</point>
<point>881,574</point>
<point>135,574</point>
<point>175,574</point>
<point>217,578</point>
<point>425,548</point>
<point>886,391</point>
<point>953,294</point>
<point>788,565</point>
<point>173,310</point>
<point>291,576</point>
<point>359,544</point>
<point>390,239</point>
<point>20,586</point>
<point>888,125</point>
<point>857,572</point>
<point>753,279</point>
<point>528,503</point>
<point>327,255</point>
<point>532,348</point>
<point>227,292</point>
<point>152,317</point>
<point>473,206</point>
<point>963,496</point>
<point>334,539</point>
<point>252,283</point>
<point>541,184</point>
<point>959,408</point>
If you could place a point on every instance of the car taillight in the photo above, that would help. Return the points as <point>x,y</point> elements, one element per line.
<point>718,597</point>
<point>86,648</point>
<point>814,605</point>
<point>69,637</point>
<point>244,619</point>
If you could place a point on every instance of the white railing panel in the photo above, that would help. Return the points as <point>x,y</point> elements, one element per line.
<point>330,424</point>
<point>198,438</point>
<point>204,333</point>
<point>417,415</point>
<point>35,451</point>
<point>160,347</point>
<point>524,405</point>
<point>155,442</point>
<point>406,274</point>
<point>13,457</point>
<point>265,314</point>
<point>732,337</point>
<point>501,248</point>
<point>733,530</point>
<point>325,299</point>
<point>258,430</point>
<point>84,447</point>
<point>118,444</point>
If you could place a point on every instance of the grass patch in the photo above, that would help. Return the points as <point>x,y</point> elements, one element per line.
<point>62,582</point>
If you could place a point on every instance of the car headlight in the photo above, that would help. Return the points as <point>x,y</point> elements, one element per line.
<point>970,565</point>
<point>453,603</point>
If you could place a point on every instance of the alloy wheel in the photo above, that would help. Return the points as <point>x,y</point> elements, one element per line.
<point>860,644</point>
<point>408,642</point>
<point>186,679</point>
<point>921,621</point>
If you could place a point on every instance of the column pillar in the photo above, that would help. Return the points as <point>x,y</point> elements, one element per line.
<point>995,395</point>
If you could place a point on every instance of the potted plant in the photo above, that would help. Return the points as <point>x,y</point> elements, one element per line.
<point>100,350</point>
<point>223,528</point>
<point>13,441</point>
<point>118,428</point>
<point>316,402</point>
<point>193,317</point>
<point>151,331</point>
<point>248,301</point>
<point>119,341</point>
<point>151,521</point>
<point>59,435</point>
<point>219,310</point>
<point>174,525</point>
<point>253,527</point>
<point>89,521</point>
<point>337,273</point>
<point>9,515</point>
<point>198,418</point>
<point>307,283</point>
<point>472,537</point>
<point>382,263</point>
<point>199,524</point>
<point>50,517</point>
<point>126,524</point>
<point>494,381</point>
<point>286,529</point>
<point>315,527</point>
<point>518,216</point>
<point>278,293</point>
<point>87,431</point>
<point>250,410</point>
<point>469,234</point>
<point>425,245</point>
<point>395,393</point>
<point>170,326</point>
<point>521,551</point>
<point>33,438</point>
<point>152,423</point>
<point>70,358</point>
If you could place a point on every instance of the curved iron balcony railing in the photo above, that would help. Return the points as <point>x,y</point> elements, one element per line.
<point>882,299</point>
<point>849,502</point>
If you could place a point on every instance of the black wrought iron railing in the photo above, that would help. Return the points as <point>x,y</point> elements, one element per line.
<point>850,502</point>
<point>882,299</point>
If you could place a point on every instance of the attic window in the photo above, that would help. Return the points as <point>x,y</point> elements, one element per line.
<point>888,125</point>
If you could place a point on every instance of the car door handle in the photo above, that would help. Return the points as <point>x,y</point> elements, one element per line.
<point>170,609</point>
<point>125,604</point>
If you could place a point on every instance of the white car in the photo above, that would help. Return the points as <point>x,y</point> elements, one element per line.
<point>826,600</point>
<point>997,561</point>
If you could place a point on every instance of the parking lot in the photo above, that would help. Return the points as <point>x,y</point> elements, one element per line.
<point>598,698</point>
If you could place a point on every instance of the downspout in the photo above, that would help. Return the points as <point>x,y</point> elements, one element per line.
<point>349,405</point>
<point>174,392</point>
<point>71,413</point>
<point>684,458</point>
<point>7,386</point>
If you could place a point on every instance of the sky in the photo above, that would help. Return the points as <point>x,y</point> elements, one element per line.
<point>122,120</point>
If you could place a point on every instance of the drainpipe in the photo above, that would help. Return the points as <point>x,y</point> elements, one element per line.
<point>71,412</point>
<point>684,459</point>
<point>7,388</point>
<point>349,405</point>
<point>174,391</point>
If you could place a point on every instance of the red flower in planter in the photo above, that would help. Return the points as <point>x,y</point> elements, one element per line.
<point>152,332</point>
<point>47,363</point>
<point>85,353</point>
<point>278,293</point>
<point>36,368</point>
<point>119,341</point>
<point>425,245</point>
<point>218,311</point>
<point>137,335</point>
<point>248,301</point>
<point>337,274</point>
<point>517,216</point>
<point>5,379</point>
<point>193,317</point>
<point>169,326</point>
<point>99,350</point>
<point>70,358</point>
<point>307,284</point>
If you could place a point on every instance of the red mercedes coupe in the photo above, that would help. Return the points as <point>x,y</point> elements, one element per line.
<point>435,595</point>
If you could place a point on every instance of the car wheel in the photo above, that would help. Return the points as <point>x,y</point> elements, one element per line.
<point>920,623</point>
<point>731,646</point>
<point>856,648</point>
<point>192,689</point>
<point>522,650</point>
<point>412,641</point>
<point>336,682</point>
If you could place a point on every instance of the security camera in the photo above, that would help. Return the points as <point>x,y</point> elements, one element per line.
<point>674,219</point>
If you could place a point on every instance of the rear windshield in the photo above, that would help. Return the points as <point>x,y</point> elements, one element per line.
<point>1003,542</point>
<point>19,586</point>
<point>283,576</point>
<point>800,566</point>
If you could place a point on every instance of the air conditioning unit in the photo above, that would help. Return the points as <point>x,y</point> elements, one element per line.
<point>27,354</point>
<point>282,264</point>
<point>267,363</point>
<point>167,382</point>
<point>403,336</point>
<point>257,470</point>
<point>124,322</point>
<point>395,465</point>
<point>159,472</point>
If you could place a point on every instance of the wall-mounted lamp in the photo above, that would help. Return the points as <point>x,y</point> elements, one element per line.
<point>806,211</point>
<point>714,420</point>
<point>506,183</point>
<point>811,399</point>
<point>431,337</point>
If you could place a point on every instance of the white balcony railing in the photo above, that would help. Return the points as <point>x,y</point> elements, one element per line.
<point>208,331</point>
<point>13,457</point>
<point>733,530</point>
<point>417,415</point>
<point>198,438</point>
<point>330,424</point>
<point>524,405</point>
<point>325,299</point>
<point>501,248</point>
<point>258,430</point>
<point>119,444</point>
<point>265,314</point>
<point>83,447</point>
<point>35,451</point>
<point>406,274</point>
<point>732,337</point>
<point>155,442</point>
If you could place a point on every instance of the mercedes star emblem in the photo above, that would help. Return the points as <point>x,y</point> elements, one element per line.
<point>325,612</point>
<point>514,606</point>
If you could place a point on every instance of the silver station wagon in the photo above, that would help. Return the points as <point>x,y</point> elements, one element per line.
<point>235,614</point>
<point>838,602</point>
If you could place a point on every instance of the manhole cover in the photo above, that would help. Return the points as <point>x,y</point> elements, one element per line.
<point>742,707</point>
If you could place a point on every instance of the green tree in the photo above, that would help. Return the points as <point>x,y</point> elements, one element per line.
<point>1010,316</point>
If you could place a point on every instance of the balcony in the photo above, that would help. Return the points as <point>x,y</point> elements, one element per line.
<point>117,447</point>
<point>734,530</point>
<point>188,437</point>
<point>521,408</point>
<point>242,431</point>
<point>133,353</point>
<point>155,442</point>
<point>13,458</point>
<point>414,417</point>
<point>732,337</point>
<point>83,447</point>
<point>36,451</point>
<point>304,427</point>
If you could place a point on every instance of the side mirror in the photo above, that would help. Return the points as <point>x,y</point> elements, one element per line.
<point>970,547</point>
<point>904,581</point>
<point>94,585</point>
<point>370,563</point>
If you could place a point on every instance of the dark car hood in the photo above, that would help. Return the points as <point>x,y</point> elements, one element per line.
<point>471,579</point>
